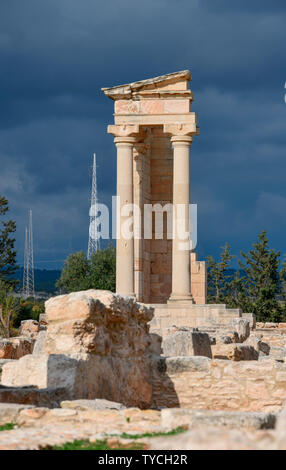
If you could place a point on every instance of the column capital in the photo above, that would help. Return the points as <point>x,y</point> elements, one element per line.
<point>125,130</point>
<point>126,133</point>
<point>181,130</point>
<point>181,140</point>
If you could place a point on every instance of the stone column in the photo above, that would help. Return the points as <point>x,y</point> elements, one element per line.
<point>181,138</point>
<point>124,138</point>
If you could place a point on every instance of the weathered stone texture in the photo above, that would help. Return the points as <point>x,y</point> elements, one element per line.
<point>281,429</point>
<point>9,412</point>
<point>48,397</point>
<point>2,362</point>
<point>198,279</point>
<point>39,346</point>
<point>97,404</point>
<point>187,343</point>
<point>97,346</point>
<point>219,384</point>
<point>29,328</point>
<point>14,348</point>
<point>174,417</point>
<point>235,352</point>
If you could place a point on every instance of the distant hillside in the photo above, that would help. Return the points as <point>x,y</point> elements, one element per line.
<point>45,279</point>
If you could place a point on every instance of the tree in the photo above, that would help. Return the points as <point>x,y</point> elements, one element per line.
<point>103,269</point>
<point>75,273</point>
<point>8,254</point>
<point>218,279</point>
<point>261,281</point>
<point>283,280</point>
<point>80,274</point>
<point>9,307</point>
<point>236,296</point>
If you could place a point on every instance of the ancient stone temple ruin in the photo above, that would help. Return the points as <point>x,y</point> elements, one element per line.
<point>154,355</point>
<point>153,132</point>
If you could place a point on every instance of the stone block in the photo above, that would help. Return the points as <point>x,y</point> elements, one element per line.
<point>235,352</point>
<point>281,429</point>
<point>187,343</point>
<point>97,404</point>
<point>29,328</point>
<point>270,325</point>
<point>43,371</point>
<point>155,344</point>
<point>14,348</point>
<point>97,345</point>
<point>251,318</point>
<point>39,346</point>
<point>2,362</point>
<point>49,397</point>
<point>241,327</point>
<point>97,322</point>
<point>260,346</point>
<point>250,421</point>
<point>174,365</point>
<point>9,412</point>
<point>277,353</point>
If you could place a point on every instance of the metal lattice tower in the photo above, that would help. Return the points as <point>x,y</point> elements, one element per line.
<point>28,274</point>
<point>93,239</point>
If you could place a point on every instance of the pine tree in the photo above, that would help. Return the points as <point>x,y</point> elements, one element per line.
<point>8,254</point>
<point>283,280</point>
<point>261,281</point>
<point>283,289</point>
<point>218,279</point>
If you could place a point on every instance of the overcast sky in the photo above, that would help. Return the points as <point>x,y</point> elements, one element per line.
<point>55,55</point>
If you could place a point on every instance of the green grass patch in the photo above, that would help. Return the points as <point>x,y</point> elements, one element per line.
<point>97,445</point>
<point>7,427</point>
<point>108,444</point>
<point>173,432</point>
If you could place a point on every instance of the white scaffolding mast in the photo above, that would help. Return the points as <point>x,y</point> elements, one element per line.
<point>93,239</point>
<point>28,273</point>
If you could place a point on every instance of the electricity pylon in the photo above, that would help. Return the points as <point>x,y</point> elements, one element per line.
<point>28,273</point>
<point>93,239</point>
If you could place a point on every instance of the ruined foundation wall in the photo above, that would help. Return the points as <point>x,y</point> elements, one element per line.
<point>219,384</point>
<point>97,346</point>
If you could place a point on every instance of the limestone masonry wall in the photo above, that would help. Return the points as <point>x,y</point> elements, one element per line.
<point>161,175</point>
<point>219,384</point>
<point>198,280</point>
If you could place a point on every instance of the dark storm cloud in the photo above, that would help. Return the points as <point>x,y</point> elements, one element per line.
<point>55,55</point>
<point>255,6</point>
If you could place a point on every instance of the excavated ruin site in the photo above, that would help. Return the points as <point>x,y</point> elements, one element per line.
<point>100,364</point>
